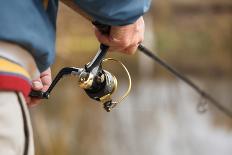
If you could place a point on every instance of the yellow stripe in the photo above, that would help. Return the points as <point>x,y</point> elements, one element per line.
<point>10,67</point>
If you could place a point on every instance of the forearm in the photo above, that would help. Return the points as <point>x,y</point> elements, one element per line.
<point>110,12</point>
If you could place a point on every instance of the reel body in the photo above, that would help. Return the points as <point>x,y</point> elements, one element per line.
<point>98,83</point>
<point>100,88</point>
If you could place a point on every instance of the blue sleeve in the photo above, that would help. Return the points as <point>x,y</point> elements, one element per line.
<point>114,12</point>
<point>28,24</point>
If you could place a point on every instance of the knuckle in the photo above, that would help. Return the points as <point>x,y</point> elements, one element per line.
<point>131,50</point>
<point>124,43</point>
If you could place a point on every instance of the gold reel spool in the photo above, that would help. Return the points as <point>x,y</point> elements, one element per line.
<point>129,80</point>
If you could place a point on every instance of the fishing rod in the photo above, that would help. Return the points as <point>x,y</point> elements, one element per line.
<point>105,29</point>
<point>100,84</point>
<point>185,79</point>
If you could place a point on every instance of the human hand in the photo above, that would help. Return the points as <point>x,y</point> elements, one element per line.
<point>124,39</point>
<point>40,84</point>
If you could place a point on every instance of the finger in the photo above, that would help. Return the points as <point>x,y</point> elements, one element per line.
<point>40,84</point>
<point>131,49</point>
<point>115,49</point>
<point>37,84</point>
<point>104,39</point>
<point>33,101</point>
<point>46,79</point>
<point>111,42</point>
<point>121,36</point>
<point>117,40</point>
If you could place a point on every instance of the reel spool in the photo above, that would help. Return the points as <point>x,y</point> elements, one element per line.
<point>102,86</point>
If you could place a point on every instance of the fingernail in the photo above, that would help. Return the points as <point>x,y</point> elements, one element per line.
<point>36,84</point>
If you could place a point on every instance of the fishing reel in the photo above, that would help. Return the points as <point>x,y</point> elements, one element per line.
<point>98,83</point>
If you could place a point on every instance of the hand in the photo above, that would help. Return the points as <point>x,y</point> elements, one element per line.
<point>124,39</point>
<point>40,84</point>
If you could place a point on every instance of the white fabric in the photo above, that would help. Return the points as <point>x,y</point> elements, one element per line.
<point>12,135</point>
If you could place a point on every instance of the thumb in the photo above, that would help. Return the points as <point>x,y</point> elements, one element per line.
<point>37,84</point>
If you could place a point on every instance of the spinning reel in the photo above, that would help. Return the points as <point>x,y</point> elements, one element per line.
<point>98,83</point>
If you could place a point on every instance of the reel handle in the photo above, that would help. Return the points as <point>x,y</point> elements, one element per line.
<point>38,94</point>
<point>64,71</point>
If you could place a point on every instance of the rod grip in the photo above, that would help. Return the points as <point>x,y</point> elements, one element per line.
<point>103,28</point>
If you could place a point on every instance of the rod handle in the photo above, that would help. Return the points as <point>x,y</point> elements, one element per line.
<point>103,28</point>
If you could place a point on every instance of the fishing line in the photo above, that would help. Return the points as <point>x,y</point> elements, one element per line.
<point>185,79</point>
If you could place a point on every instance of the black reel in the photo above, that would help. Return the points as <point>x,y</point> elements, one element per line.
<point>99,84</point>
<point>102,88</point>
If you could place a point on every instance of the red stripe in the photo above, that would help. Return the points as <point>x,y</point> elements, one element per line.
<point>15,83</point>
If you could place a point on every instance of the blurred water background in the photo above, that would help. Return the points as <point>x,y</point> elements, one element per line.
<point>160,115</point>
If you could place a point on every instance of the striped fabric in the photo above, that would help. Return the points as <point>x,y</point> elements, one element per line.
<point>13,77</point>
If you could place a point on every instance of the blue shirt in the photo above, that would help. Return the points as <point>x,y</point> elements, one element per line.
<point>27,23</point>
